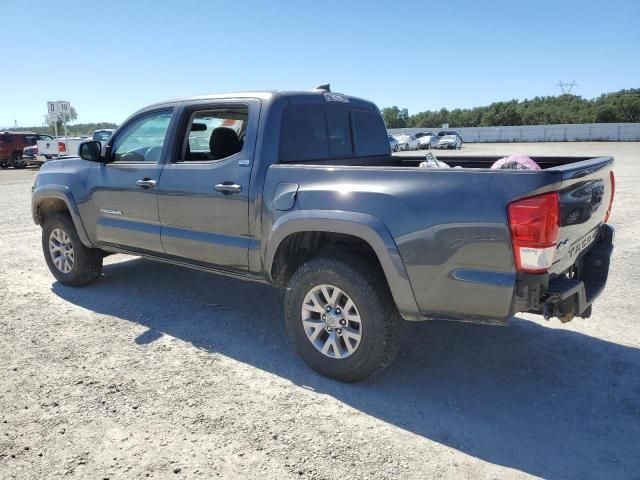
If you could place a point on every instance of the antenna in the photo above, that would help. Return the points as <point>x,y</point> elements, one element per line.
<point>325,86</point>
<point>566,87</point>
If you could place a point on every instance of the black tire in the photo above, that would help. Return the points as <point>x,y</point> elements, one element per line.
<point>4,165</point>
<point>87,264</point>
<point>381,322</point>
<point>17,161</point>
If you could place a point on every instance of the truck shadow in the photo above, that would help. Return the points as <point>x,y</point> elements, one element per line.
<point>548,402</point>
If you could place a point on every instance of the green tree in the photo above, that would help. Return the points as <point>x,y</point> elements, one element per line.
<point>621,106</point>
<point>394,117</point>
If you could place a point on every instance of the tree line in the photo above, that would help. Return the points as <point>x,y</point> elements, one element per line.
<point>621,106</point>
<point>73,130</point>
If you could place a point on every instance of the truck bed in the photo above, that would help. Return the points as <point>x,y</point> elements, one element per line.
<point>451,225</point>
<point>464,161</point>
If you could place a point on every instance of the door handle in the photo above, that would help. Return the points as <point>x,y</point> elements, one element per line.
<point>146,183</point>
<point>228,188</point>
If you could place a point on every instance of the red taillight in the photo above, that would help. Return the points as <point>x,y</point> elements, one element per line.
<point>62,148</point>
<point>534,224</point>
<point>613,192</point>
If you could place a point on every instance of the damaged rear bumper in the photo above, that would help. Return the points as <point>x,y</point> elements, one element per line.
<point>571,294</point>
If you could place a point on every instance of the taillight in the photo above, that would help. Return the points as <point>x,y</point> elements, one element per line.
<point>62,148</point>
<point>534,224</point>
<point>613,192</point>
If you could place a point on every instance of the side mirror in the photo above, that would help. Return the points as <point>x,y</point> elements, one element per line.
<point>92,151</point>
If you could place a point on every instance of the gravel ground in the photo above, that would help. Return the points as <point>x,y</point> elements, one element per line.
<point>156,371</point>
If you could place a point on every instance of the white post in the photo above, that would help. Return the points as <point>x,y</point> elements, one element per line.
<point>66,142</point>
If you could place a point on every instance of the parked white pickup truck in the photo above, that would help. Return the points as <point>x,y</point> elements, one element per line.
<point>61,147</point>
<point>58,147</point>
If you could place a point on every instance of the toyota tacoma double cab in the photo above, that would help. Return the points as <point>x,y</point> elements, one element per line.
<point>300,190</point>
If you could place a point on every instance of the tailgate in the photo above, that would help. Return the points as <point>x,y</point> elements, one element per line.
<point>585,196</point>
<point>47,147</point>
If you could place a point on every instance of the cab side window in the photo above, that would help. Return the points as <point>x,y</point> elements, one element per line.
<point>215,134</point>
<point>142,140</point>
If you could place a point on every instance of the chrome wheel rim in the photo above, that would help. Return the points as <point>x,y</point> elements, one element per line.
<point>331,321</point>
<point>61,250</point>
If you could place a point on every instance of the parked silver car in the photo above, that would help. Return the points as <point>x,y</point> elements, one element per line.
<point>407,142</point>
<point>450,142</point>
<point>427,140</point>
<point>393,143</point>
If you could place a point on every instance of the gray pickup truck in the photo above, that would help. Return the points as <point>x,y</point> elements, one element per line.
<point>300,190</point>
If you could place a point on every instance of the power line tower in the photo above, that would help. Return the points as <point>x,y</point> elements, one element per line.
<point>565,87</point>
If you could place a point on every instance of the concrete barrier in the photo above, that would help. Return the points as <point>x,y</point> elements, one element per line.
<point>583,132</point>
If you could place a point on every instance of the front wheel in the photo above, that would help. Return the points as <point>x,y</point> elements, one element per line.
<point>68,259</point>
<point>341,318</point>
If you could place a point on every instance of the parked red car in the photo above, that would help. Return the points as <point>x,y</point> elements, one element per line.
<point>13,143</point>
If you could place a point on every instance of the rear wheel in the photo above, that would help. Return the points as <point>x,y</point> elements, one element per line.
<point>341,318</point>
<point>17,161</point>
<point>68,259</point>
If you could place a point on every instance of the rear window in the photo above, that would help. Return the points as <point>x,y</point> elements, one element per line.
<point>304,136</point>
<point>102,136</point>
<point>339,126</point>
<point>369,133</point>
<point>322,134</point>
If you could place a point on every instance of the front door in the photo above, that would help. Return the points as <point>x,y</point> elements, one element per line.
<point>203,194</point>
<point>124,194</point>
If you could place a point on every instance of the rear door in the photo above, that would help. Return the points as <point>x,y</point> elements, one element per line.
<point>204,189</point>
<point>123,201</point>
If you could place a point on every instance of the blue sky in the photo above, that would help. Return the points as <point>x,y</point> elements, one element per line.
<point>113,57</point>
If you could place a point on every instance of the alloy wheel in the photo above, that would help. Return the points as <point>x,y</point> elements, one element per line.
<point>331,321</point>
<point>61,250</point>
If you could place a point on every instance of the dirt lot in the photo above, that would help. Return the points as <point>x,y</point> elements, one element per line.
<point>159,372</point>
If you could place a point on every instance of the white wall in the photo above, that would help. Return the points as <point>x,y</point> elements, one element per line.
<point>629,132</point>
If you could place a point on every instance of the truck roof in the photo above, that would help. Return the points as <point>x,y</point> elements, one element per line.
<point>263,95</point>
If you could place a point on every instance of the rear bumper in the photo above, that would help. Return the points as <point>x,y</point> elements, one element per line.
<point>565,296</point>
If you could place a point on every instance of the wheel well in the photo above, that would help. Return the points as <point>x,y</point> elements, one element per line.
<point>47,206</point>
<point>299,247</point>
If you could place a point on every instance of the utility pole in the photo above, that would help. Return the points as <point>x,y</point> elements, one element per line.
<point>565,87</point>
